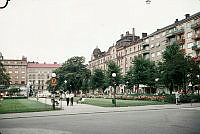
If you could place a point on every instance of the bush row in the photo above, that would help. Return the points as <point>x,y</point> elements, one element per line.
<point>14,97</point>
<point>163,98</point>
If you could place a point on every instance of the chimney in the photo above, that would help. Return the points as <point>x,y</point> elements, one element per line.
<point>127,33</point>
<point>24,58</point>
<point>176,20</point>
<point>144,35</point>
<point>122,36</point>
<point>187,16</point>
<point>133,30</point>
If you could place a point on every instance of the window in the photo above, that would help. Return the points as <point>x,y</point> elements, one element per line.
<point>23,72</point>
<point>163,34</point>
<point>10,67</point>
<point>22,82</point>
<point>157,44</point>
<point>189,34</point>
<point>152,45</point>
<point>16,66</point>
<point>16,72</point>
<point>157,36</point>
<point>153,55</point>
<point>190,45</point>
<point>10,72</point>
<point>23,77</point>
<point>16,77</point>
<point>158,53</point>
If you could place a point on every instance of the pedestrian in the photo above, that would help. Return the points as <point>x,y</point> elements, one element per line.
<point>71,98</point>
<point>67,98</point>
<point>177,97</point>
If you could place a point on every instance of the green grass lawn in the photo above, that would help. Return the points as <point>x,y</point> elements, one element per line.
<point>120,103</point>
<point>22,105</point>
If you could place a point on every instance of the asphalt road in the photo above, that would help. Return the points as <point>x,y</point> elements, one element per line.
<point>168,121</point>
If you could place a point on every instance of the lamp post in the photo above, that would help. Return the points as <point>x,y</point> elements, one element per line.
<point>3,4</point>
<point>148,1</point>
<point>198,83</point>
<point>114,83</point>
<point>36,82</point>
<point>127,86</point>
<point>190,86</point>
<point>53,75</point>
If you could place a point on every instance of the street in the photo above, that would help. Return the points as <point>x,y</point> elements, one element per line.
<point>164,121</point>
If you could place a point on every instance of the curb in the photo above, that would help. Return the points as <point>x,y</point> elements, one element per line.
<point>98,112</point>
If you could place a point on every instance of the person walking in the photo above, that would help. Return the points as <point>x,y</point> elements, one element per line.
<point>177,97</point>
<point>67,98</point>
<point>71,98</point>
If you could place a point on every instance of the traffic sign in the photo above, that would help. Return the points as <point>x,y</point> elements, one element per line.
<point>53,81</point>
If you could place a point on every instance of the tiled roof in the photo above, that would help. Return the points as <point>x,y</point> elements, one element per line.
<point>44,65</point>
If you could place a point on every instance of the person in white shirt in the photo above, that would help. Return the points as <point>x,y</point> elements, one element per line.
<point>71,96</point>
<point>177,97</point>
<point>67,98</point>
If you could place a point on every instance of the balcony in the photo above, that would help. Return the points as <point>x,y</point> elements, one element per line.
<point>195,25</point>
<point>145,44</point>
<point>170,34</point>
<point>146,50</point>
<point>196,36</point>
<point>179,31</point>
<point>196,47</point>
<point>181,41</point>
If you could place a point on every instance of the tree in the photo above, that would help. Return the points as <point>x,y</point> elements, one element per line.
<point>13,91</point>
<point>177,69</point>
<point>113,68</point>
<point>4,77</point>
<point>74,72</point>
<point>98,79</point>
<point>142,71</point>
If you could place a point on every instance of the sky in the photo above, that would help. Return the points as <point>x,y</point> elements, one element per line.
<point>56,30</point>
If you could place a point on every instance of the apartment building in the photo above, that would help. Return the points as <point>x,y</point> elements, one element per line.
<point>39,73</point>
<point>122,53</point>
<point>17,69</point>
<point>185,31</point>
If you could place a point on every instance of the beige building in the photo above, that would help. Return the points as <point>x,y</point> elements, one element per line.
<point>38,74</point>
<point>185,31</point>
<point>122,53</point>
<point>17,70</point>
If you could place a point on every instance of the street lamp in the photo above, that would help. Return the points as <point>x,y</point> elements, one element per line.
<point>53,75</point>
<point>148,1</point>
<point>127,86</point>
<point>114,100</point>
<point>3,3</point>
<point>198,83</point>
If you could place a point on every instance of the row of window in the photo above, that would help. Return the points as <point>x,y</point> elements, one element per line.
<point>16,72</point>
<point>13,62</point>
<point>33,76</point>
<point>16,67</point>
<point>17,77</point>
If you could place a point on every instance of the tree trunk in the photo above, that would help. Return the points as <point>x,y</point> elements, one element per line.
<point>171,88</point>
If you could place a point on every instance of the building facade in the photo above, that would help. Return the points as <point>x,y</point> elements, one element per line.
<point>17,70</point>
<point>185,31</point>
<point>38,74</point>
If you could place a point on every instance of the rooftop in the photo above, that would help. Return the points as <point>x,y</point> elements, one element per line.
<point>42,65</point>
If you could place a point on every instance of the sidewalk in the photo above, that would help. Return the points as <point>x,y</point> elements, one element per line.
<point>89,109</point>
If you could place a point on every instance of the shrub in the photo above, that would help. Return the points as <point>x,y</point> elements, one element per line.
<point>15,97</point>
